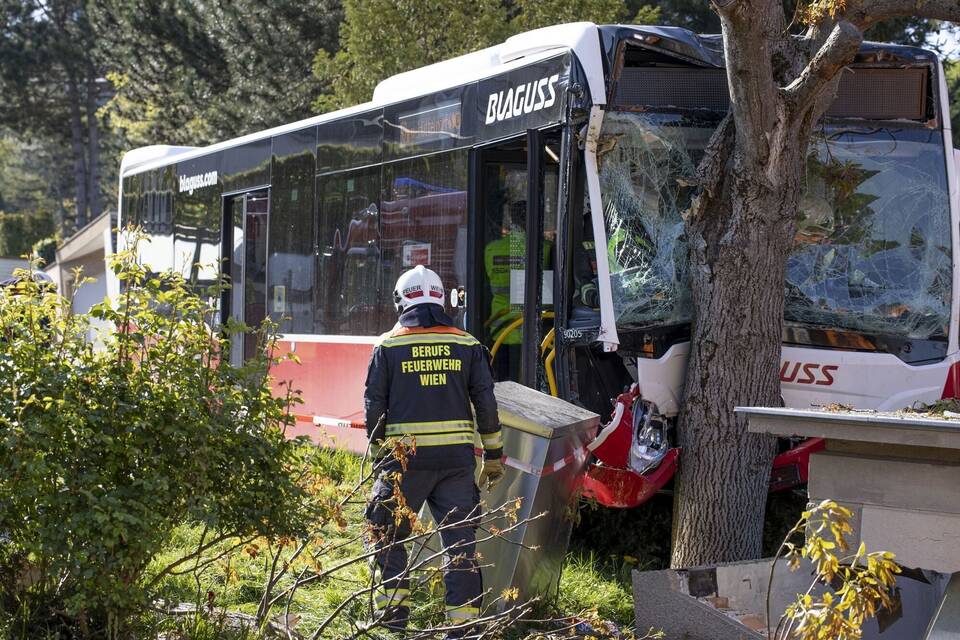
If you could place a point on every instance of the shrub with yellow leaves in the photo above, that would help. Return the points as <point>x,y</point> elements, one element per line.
<point>860,583</point>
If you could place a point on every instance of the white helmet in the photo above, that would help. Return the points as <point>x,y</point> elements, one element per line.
<point>417,286</point>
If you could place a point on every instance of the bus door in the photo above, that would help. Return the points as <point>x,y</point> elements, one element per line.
<point>245,255</point>
<point>514,252</point>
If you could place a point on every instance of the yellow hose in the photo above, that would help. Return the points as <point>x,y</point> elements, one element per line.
<point>547,341</point>
<point>503,336</point>
<point>507,330</point>
<point>551,378</point>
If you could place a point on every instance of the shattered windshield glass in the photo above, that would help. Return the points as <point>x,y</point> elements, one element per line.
<point>872,249</point>
<point>647,162</point>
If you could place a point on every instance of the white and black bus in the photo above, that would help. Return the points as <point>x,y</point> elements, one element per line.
<point>543,179</point>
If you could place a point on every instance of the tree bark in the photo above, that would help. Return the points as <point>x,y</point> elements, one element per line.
<point>739,232</point>
<point>738,255</point>
<point>79,153</point>
<point>93,144</point>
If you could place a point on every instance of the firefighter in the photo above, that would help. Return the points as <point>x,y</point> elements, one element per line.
<point>423,377</point>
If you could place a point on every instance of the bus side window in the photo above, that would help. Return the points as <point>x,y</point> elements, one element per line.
<point>348,241</point>
<point>424,221</point>
<point>292,262</point>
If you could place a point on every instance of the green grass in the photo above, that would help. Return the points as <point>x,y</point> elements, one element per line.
<point>588,583</point>
<point>234,582</point>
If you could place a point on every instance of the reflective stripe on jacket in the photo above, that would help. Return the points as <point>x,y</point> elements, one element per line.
<point>425,379</point>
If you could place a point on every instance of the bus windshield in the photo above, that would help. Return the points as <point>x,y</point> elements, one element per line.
<point>872,249</point>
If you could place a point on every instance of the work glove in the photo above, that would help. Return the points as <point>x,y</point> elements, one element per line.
<point>375,438</point>
<point>491,474</point>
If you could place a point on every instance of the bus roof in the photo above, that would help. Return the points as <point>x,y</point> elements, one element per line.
<point>517,51</point>
<point>589,43</point>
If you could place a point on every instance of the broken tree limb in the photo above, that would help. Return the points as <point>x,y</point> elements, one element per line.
<point>867,13</point>
<point>711,172</point>
<point>836,52</point>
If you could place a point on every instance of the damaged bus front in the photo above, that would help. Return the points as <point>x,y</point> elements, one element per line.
<point>869,290</point>
<point>544,179</point>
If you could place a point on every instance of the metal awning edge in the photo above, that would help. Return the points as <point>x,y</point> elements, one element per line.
<point>854,426</point>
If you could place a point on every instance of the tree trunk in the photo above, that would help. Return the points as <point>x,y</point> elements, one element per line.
<point>738,251</point>
<point>740,228</point>
<point>93,144</point>
<point>79,154</point>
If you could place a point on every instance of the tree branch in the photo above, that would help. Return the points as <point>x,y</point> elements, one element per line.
<point>191,556</point>
<point>867,13</point>
<point>713,167</point>
<point>476,519</point>
<point>836,52</point>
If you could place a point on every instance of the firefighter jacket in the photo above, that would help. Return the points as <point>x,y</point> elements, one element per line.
<point>424,375</point>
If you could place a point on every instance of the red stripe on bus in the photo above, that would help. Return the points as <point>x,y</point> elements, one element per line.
<point>951,388</point>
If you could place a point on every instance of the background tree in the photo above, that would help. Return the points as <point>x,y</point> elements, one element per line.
<point>952,71</point>
<point>19,232</point>
<point>740,227</point>
<point>199,72</point>
<point>29,201</point>
<point>533,14</point>
<point>98,78</point>
<point>412,35</point>
<point>52,85</point>
<point>695,15</point>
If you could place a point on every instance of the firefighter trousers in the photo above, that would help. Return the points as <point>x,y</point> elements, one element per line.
<point>452,496</point>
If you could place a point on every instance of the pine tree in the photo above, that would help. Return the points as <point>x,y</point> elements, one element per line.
<point>194,73</point>
<point>380,38</point>
<point>52,83</point>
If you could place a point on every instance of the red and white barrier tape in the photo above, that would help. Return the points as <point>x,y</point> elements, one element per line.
<point>579,454</point>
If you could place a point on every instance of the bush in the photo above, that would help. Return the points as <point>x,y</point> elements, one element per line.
<point>19,231</point>
<point>104,452</point>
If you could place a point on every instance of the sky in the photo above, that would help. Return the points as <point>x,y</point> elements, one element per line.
<point>947,41</point>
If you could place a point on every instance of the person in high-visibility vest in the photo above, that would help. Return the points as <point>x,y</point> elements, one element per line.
<point>586,293</point>
<point>500,257</point>
<point>625,248</point>
<point>424,376</point>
